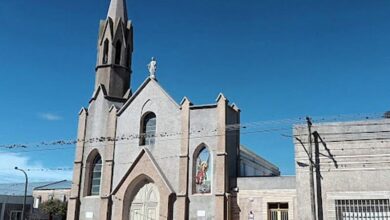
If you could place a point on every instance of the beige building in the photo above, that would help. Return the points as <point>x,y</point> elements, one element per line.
<point>57,190</point>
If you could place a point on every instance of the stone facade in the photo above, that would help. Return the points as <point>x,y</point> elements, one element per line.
<point>143,155</point>
<point>353,160</point>
<point>257,193</point>
<point>110,131</point>
<point>350,182</point>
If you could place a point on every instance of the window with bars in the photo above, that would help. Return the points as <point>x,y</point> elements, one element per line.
<point>363,209</point>
<point>15,215</point>
<point>277,211</point>
<point>96,176</point>
<point>148,132</point>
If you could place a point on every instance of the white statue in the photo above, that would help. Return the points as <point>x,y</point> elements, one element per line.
<point>152,67</point>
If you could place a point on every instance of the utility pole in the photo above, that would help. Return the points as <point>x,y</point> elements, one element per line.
<point>318,176</point>
<point>311,170</point>
<point>25,191</point>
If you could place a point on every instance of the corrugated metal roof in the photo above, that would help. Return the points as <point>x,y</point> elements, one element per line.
<point>17,189</point>
<point>63,184</point>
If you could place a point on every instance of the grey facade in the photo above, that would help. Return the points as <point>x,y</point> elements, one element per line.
<point>351,181</point>
<point>11,206</point>
<point>354,160</point>
<point>168,168</point>
<point>138,154</point>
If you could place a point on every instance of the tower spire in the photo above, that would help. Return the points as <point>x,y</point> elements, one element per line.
<point>118,10</point>
<point>115,48</point>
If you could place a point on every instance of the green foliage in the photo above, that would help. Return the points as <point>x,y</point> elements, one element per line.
<point>54,207</point>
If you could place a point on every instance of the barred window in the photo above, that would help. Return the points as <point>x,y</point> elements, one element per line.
<point>362,209</point>
<point>278,211</point>
<point>15,215</point>
<point>96,176</point>
<point>148,132</point>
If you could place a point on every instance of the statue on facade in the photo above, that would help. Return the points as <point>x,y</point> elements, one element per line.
<point>152,67</point>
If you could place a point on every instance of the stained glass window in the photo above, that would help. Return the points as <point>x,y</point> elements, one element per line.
<point>203,174</point>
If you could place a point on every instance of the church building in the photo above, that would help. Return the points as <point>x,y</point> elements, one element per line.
<point>142,155</point>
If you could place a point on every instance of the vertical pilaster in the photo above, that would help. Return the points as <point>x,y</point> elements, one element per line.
<point>182,195</point>
<point>108,166</point>
<point>220,162</point>
<point>74,200</point>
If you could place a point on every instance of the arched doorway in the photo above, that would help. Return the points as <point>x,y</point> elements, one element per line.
<point>145,205</point>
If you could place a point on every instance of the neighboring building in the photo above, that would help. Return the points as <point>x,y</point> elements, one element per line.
<point>144,156</point>
<point>272,198</point>
<point>12,198</point>
<point>351,181</point>
<point>252,164</point>
<point>354,165</point>
<point>57,190</point>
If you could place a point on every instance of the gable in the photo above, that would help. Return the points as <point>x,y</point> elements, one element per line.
<point>150,97</point>
<point>149,90</point>
<point>143,165</point>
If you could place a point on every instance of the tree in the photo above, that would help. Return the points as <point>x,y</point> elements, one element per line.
<point>54,207</point>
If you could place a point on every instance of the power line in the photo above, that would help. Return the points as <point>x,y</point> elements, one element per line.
<point>229,128</point>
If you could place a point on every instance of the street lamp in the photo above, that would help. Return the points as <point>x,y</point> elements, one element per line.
<point>25,191</point>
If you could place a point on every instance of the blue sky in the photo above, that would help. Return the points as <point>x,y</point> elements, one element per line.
<point>276,59</point>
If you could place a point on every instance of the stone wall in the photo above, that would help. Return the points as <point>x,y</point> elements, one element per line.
<point>354,163</point>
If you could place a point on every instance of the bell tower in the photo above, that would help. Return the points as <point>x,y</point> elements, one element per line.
<point>115,48</point>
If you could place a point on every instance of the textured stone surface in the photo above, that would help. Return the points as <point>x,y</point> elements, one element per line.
<point>362,158</point>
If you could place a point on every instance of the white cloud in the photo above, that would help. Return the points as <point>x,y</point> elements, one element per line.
<point>38,173</point>
<point>50,116</point>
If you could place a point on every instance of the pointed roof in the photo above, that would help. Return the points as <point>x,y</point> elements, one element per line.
<point>118,10</point>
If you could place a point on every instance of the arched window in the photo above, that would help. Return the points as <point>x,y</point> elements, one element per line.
<point>118,50</point>
<point>105,52</point>
<point>148,129</point>
<point>202,170</point>
<point>96,169</point>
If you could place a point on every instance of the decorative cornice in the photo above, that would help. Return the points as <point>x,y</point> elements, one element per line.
<point>113,66</point>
